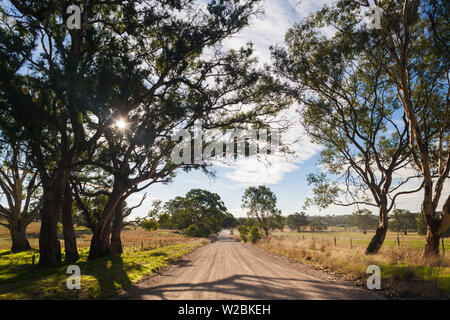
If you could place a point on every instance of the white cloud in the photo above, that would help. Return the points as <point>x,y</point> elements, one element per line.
<point>271,169</point>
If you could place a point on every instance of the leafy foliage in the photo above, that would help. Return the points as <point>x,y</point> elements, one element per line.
<point>243,232</point>
<point>255,235</point>
<point>200,213</point>
<point>296,221</point>
<point>261,203</point>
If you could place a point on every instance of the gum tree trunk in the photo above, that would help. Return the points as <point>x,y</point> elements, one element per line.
<point>19,237</point>
<point>116,243</point>
<point>435,229</point>
<point>48,236</point>
<point>380,234</point>
<point>100,243</point>
<point>70,241</point>
<point>431,244</point>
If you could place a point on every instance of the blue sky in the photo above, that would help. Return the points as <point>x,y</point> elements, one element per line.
<point>287,178</point>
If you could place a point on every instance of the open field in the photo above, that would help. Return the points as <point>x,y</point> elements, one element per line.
<point>144,253</point>
<point>130,237</point>
<point>359,239</point>
<point>404,272</point>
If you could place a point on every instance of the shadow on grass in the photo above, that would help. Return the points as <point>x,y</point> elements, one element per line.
<point>158,254</point>
<point>18,276</point>
<point>110,273</point>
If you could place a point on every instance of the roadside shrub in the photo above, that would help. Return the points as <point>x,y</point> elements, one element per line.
<point>149,225</point>
<point>197,230</point>
<point>243,232</point>
<point>255,236</point>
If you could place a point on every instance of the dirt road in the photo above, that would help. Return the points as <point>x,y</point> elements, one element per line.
<point>232,270</point>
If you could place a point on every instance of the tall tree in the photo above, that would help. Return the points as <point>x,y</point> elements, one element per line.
<point>399,68</point>
<point>261,203</point>
<point>413,41</point>
<point>19,183</point>
<point>351,112</point>
<point>137,62</point>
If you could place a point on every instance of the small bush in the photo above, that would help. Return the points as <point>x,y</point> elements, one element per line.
<point>149,225</point>
<point>243,232</point>
<point>255,236</point>
<point>197,230</point>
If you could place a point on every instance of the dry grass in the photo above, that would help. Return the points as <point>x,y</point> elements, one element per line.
<point>138,238</point>
<point>359,239</point>
<point>404,272</point>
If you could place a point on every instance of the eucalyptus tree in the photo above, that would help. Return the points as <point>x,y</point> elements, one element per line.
<point>199,213</point>
<point>155,64</point>
<point>362,219</point>
<point>296,221</point>
<point>19,184</point>
<point>261,203</point>
<point>352,85</point>
<point>353,113</point>
<point>59,94</point>
<point>410,48</point>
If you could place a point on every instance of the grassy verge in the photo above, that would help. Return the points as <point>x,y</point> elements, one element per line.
<point>392,240</point>
<point>404,273</point>
<point>100,278</point>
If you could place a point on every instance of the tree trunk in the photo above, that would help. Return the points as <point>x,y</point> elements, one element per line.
<point>70,241</point>
<point>431,245</point>
<point>435,230</point>
<point>380,234</point>
<point>432,238</point>
<point>48,236</point>
<point>100,243</point>
<point>116,243</point>
<point>19,237</point>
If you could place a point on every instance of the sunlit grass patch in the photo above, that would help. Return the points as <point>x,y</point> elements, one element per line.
<point>100,278</point>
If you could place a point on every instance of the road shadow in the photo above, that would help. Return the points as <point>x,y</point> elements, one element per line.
<point>246,287</point>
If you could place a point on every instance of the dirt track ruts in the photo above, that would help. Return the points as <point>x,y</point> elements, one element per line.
<point>228,269</point>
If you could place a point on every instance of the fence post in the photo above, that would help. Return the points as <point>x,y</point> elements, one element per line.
<point>398,241</point>
<point>443,248</point>
<point>335,241</point>
<point>351,244</point>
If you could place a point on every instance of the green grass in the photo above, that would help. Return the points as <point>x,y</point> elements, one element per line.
<point>100,278</point>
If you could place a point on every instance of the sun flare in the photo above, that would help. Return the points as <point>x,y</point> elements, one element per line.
<point>121,124</point>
